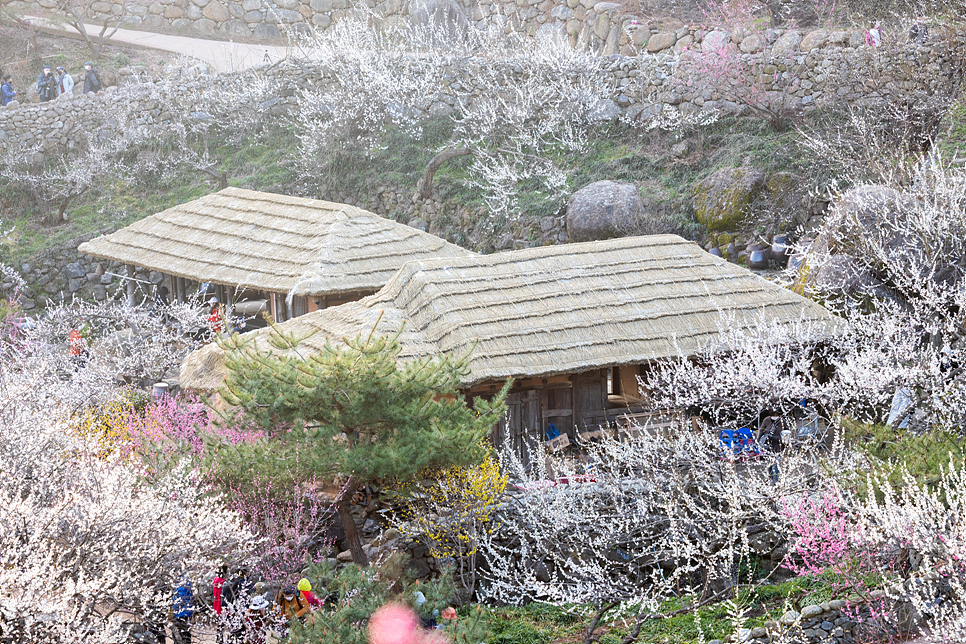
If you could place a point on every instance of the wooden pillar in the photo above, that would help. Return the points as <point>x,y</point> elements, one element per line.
<point>180,289</point>
<point>130,285</point>
<point>220,293</point>
<point>172,289</point>
<point>229,294</point>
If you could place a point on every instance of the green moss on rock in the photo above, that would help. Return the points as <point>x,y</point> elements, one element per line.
<point>721,201</point>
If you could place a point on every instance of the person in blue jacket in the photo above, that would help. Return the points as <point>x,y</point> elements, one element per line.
<point>183,609</point>
<point>7,93</point>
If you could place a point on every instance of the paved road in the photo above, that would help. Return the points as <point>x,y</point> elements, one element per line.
<point>220,55</point>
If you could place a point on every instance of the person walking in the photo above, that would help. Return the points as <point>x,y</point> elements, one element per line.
<point>918,32</point>
<point>65,81</point>
<point>770,437</point>
<point>92,81</point>
<point>47,85</point>
<point>257,621</point>
<point>7,92</point>
<point>876,34</point>
<point>216,318</point>
<point>183,609</point>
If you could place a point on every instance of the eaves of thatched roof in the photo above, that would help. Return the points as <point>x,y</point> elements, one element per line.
<point>272,242</point>
<point>554,310</point>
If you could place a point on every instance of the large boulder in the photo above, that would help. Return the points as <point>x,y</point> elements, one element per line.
<point>863,224</point>
<point>603,210</point>
<point>722,200</point>
<point>715,41</point>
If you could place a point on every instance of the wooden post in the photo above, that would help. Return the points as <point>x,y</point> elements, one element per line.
<point>130,285</point>
<point>180,289</point>
<point>229,295</point>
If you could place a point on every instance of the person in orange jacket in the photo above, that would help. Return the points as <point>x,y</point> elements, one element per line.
<point>289,604</point>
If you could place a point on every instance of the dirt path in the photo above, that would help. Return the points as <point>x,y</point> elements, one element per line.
<point>220,55</point>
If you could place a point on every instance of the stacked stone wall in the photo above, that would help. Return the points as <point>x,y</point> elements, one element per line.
<point>637,87</point>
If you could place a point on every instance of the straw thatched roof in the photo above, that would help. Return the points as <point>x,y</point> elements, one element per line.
<point>554,310</point>
<point>272,242</point>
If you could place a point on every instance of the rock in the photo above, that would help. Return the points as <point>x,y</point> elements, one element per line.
<point>744,634</point>
<point>603,210</point>
<point>420,567</point>
<point>751,44</point>
<point>100,293</point>
<point>660,42</point>
<point>813,40</point>
<point>836,604</point>
<point>445,16</point>
<point>267,31</point>
<point>344,557</point>
<point>76,284</point>
<point>811,611</point>
<point>205,26</point>
<point>786,201</point>
<point>682,149</point>
<point>74,270</point>
<point>217,12</point>
<point>605,110</point>
<point>721,200</point>
<point>786,43</point>
<point>789,618</point>
<point>715,41</point>
<point>418,224</point>
<point>758,632</point>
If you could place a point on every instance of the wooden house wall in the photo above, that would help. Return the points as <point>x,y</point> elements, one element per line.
<point>574,403</point>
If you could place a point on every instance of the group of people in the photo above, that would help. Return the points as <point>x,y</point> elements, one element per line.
<point>243,615</point>
<point>51,84</point>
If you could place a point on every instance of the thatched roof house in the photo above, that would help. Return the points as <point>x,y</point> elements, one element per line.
<point>552,311</point>
<point>275,244</point>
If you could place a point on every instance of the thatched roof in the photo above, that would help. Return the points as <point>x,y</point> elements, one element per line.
<point>272,242</point>
<point>554,310</point>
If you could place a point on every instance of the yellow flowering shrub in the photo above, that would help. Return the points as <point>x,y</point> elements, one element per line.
<point>106,425</point>
<point>449,508</point>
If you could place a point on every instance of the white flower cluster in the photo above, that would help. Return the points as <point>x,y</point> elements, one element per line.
<point>87,549</point>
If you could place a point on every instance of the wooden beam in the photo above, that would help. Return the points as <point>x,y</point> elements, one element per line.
<point>558,413</point>
<point>131,284</point>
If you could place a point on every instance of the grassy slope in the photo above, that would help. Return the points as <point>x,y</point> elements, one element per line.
<point>271,163</point>
<point>543,624</point>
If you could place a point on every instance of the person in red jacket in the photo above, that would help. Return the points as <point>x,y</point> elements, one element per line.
<point>216,319</point>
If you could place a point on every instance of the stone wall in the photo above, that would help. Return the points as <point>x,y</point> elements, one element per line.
<point>599,24</point>
<point>61,273</point>
<point>827,69</point>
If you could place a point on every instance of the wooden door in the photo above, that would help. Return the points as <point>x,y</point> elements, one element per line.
<point>557,407</point>
<point>520,427</point>
<point>590,401</point>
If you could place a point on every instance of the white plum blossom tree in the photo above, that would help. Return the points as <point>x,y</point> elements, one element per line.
<point>88,549</point>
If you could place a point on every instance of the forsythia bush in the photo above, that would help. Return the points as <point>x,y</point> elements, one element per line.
<point>107,425</point>
<point>449,508</point>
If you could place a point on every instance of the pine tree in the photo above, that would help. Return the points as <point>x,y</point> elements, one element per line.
<point>353,410</point>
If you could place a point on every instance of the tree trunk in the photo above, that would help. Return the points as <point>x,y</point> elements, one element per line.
<point>349,525</point>
<point>426,184</point>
